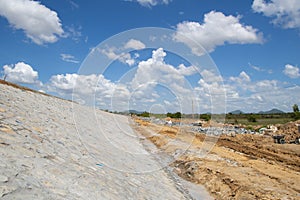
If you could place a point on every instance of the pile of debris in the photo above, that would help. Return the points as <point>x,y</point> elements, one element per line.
<point>290,130</point>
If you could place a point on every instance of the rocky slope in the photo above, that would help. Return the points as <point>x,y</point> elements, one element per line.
<point>53,149</point>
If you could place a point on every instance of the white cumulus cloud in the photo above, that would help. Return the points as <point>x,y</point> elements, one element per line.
<point>121,53</point>
<point>217,29</point>
<point>123,57</point>
<point>286,13</point>
<point>82,88</point>
<point>134,44</point>
<point>155,70</point>
<point>242,78</point>
<point>20,73</point>
<point>80,84</point>
<point>39,23</point>
<point>291,71</point>
<point>186,71</point>
<point>210,76</point>
<point>90,89</point>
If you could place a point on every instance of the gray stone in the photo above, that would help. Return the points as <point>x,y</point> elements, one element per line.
<point>3,179</point>
<point>52,155</point>
<point>5,190</point>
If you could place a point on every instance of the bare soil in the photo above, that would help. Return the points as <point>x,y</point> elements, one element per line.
<point>241,167</point>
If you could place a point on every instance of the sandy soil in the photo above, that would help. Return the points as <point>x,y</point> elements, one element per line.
<point>241,167</point>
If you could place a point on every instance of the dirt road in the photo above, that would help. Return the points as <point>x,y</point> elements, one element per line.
<point>241,167</point>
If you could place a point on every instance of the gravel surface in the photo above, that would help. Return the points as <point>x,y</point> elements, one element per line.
<point>54,149</point>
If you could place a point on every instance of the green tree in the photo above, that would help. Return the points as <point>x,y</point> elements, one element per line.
<point>169,114</point>
<point>174,115</point>
<point>251,118</point>
<point>177,115</point>
<point>205,117</point>
<point>145,114</point>
<point>296,112</point>
<point>295,108</point>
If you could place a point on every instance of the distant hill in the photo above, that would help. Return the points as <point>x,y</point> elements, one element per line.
<point>273,111</point>
<point>236,112</point>
<point>133,111</point>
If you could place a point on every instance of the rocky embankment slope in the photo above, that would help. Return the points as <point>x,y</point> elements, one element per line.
<point>46,154</point>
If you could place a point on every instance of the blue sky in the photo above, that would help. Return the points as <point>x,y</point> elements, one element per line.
<point>254,44</point>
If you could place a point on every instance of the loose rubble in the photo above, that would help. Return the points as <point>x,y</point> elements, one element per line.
<point>246,166</point>
<point>45,155</point>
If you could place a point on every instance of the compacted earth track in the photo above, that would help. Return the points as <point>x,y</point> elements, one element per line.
<point>241,167</point>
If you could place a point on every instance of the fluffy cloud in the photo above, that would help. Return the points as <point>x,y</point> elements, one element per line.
<point>155,70</point>
<point>265,85</point>
<point>210,76</point>
<point>90,89</point>
<point>80,84</point>
<point>242,78</point>
<point>245,94</point>
<point>291,71</point>
<point>122,57</point>
<point>268,94</point>
<point>150,3</point>
<point>211,92</point>
<point>168,103</point>
<point>286,13</point>
<point>121,53</point>
<point>186,71</point>
<point>134,44</point>
<point>140,90</point>
<point>253,96</point>
<point>154,73</point>
<point>82,88</point>
<point>68,58</point>
<point>241,92</point>
<point>21,73</point>
<point>39,23</point>
<point>210,88</point>
<point>217,29</point>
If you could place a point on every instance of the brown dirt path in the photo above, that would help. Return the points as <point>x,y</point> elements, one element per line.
<point>241,167</point>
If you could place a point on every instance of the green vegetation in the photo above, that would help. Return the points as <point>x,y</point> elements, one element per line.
<point>247,119</point>
<point>144,114</point>
<point>176,115</point>
<point>251,118</point>
<point>296,112</point>
<point>259,119</point>
<point>297,116</point>
<point>205,117</point>
<point>295,108</point>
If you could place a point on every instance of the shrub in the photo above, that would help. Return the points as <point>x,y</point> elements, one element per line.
<point>251,118</point>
